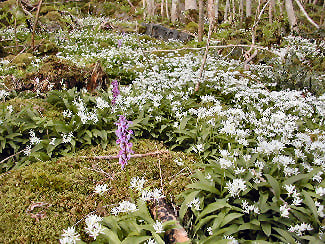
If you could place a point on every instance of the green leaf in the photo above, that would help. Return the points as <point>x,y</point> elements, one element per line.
<point>296,178</point>
<point>311,205</point>
<point>183,123</point>
<point>218,204</point>
<point>266,227</point>
<point>204,187</point>
<point>203,221</point>
<point>135,239</point>
<point>230,217</point>
<point>187,200</point>
<point>285,234</point>
<point>274,184</point>
<point>111,236</point>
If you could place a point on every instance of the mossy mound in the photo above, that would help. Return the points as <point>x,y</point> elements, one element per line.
<point>22,60</point>
<point>40,200</point>
<point>45,47</point>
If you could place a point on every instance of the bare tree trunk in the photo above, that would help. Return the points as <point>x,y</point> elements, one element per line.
<point>241,10</point>
<point>226,10</point>
<point>167,12</point>
<point>190,4</point>
<point>211,11</point>
<point>248,8</point>
<point>151,8</point>
<point>271,9</point>
<point>217,9</point>
<point>291,15</point>
<point>162,8</point>
<point>233,11</point>
<point>306,15</point>
<point>175,10</point>
<point>201,21</point>
<point>280,7</point>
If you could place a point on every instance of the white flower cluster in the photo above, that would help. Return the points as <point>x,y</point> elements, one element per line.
<point>249,208</point>
<point>33,139</point>
<point>284,210</point>
<point>3,94</point>
<point>292,192</point>
<point>70,236</point>
<point>195,204</point>
<point>124,207</point>
<point>83,114</point>
<point>67,137</point>
<point>320,191</point>
<point>299,229</point>
<point>137,183</point>
<point>156,194</point>
<point>236,186</point>
<point>93,227</point>
<point>101,189</point>
<point>101,103</point>
<point>158,226</point>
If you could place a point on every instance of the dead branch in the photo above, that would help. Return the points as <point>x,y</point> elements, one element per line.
<point>4,160</point>
<point>306,15</point>
<point>108,157</point>
<point>35,23</point>
<point>204,57</point>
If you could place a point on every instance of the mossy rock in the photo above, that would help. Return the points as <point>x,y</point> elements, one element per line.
<point>45,47</point>
<point>46,9</point>
<point>65,187</point>
<point>22,60</point>
<point>54,21</point>
<point>192,27</point>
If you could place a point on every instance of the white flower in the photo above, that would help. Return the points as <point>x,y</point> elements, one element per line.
<point>195,203</point>
<point>320,209</point>
<point>320,191</point>
<point>28,150</point>
<point>146,195</point>
<point>318,177</point>
<point>101,189</point>
<point>209,230</point>
<point>101,103</point>
<point>298,229</point>
<point>225,163</point>
<point>179,162</point>
<point>158,227</point>
<point>291,189</point>
<point>157,194</point>
<point>236,187</point>
<point>93,228</point>
<point>67,113</point>
<point>70,236</point>
<point>3,94</point>
<point>10,109</point>
<point>137,183</point>
<point>231,239</point>
<point>52,142</point>
<point>66,138</point>
<point>249,208</point>
<point>151,241</point>
<point>284,210</point>
<point>198,148</point>
<point>124,207</point>
<point>33,138</point>
<point>239,170</point>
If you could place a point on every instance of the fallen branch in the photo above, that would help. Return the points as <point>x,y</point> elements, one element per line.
<point>108,157</point>
<point>4,160</point>
<point>306,15</point>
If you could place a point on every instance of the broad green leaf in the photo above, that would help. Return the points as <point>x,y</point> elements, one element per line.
<point>266,227</point>
<point>311,205</point>
<point>230,217</point>
<point>204,187</point>
<point>274,184</point>
<point>135,239</point>
<point>218,204</point>
<point>111,236</point>
<point>187,200</point>
<point>183,123</point>
<point>203,221</point>
<point>285,234</point>
<point>296,178</point>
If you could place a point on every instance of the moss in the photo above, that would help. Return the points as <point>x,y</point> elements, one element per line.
<point>22,60</point>
<point>45,47</point>
<point>45,9</point>
<point>67,185</point>
<point>192,27</point>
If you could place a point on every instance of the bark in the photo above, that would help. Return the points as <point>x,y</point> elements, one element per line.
<point>271,9</point>
<point>241,10</point>
<point>233,10</point>
<point>151,8</point>
<point>216,9</point>
<point>248,8</point>
<point>35,23</point>
<point>226,10</point>
<point>306,15</point>
<point>291,15</point>
<point>175,10</point>
<point>201,20</point>
<point>211,11</point>
<point>190,4</point>
<point>162,8</point>
<point>280,7</point>
<point>167,12</point>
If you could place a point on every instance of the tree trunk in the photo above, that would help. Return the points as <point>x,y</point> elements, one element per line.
<point>162,8</point>
<point>151,8</point>
<point>306,15</point>
<point>233,11</point>
<point>217,9</point>
<point>241,10</point>
<point>211,11</point>
<point>190,4</point>
<point>175,10</point>
<point>226,10</point>
<point>280,7</point>
<point>248,8</point>
<point>201,21</point>
<point>291,15</point>
<point>271,9</point>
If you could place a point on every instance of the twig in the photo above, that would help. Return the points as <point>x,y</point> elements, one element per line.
<point>108,157</point>
<point>204,57</point>
<point>4,160</point>
<point>160,174</point>
<point>35,23</point>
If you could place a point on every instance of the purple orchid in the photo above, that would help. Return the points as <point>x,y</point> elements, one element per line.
<point>115,90</point>
<point>123,137</point>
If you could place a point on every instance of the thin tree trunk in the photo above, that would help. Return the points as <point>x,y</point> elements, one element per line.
<point>175,10</point>
<point>35,23</point>
<point>248,8</point>
<point>291,15</point>
<point>271,9</point>
<point>190,4</point>
<point>151,8</point>
<point>280,7</point>
<point>167,12</point>
<point>217,9</point>
<point>226,10</point>
<point>233,11</point>
<point>306,15</point>
<point>211,11</point>
<point>201,21</point>
<point>162,8</point>
<point>241,10</point>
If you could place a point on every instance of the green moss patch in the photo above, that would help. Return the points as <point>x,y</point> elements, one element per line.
<point>40,200</point>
